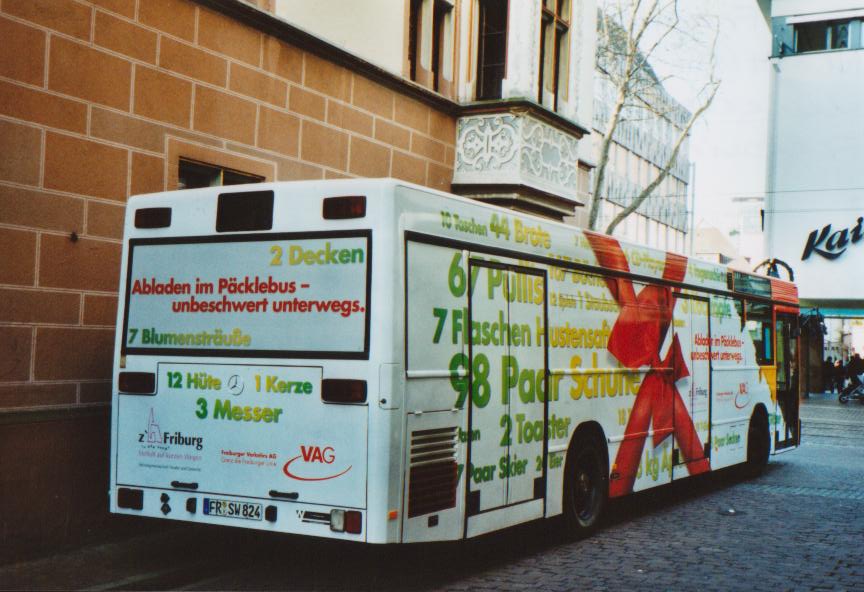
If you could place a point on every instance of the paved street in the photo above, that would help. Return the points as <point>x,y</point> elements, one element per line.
<point>798,527</point>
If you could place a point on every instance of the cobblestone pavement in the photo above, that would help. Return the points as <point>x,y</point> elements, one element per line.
<point>798,527</point>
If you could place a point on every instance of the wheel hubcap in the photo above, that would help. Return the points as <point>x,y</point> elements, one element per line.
<point>584,493</point>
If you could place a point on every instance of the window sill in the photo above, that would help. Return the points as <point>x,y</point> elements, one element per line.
<point>818,52</point>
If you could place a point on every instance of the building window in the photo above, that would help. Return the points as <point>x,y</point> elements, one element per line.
<point>414,28</point>
<point>430,43</point>
<point>193,175</point>
<point>440,13</point>
<point>821,36</point>
<point>555,25</point>
<point>492,50</point>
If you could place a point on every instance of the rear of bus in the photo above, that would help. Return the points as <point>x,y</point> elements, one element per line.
<point>244,377</point>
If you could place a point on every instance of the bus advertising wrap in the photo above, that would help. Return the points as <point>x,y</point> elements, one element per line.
<point>242,297</point>
<point>242,430</point>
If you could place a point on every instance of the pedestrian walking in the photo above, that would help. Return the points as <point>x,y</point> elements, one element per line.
<point>839,378</point>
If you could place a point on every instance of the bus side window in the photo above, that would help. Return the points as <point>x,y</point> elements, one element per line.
<point>436,300</point>
<point>782,367</point>
<point>759,326</point>
<point>739,306</point>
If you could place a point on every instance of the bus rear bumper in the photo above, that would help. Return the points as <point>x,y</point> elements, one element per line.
<point>286,516</point>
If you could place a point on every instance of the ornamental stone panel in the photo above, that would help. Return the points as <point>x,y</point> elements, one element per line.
<point>515,148</point>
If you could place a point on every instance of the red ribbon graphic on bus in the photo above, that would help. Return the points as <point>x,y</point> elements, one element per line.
<point>636,340</point>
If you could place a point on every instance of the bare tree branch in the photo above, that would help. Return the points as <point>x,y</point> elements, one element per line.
<point>606,143</point>
<point>638,90</point>
<point>670,28</point>
<point>670,162</point>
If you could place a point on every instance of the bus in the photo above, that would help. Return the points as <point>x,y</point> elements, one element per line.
<point>375,361</point>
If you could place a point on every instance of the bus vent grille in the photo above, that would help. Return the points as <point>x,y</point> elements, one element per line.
<point>432,478</point>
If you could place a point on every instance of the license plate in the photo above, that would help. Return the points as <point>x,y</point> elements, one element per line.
<point>231,509</point>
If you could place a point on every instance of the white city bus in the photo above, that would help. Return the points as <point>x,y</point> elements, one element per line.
<point>375,361</point>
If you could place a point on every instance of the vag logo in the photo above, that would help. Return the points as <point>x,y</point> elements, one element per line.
<point>311,457</point>
<point>317,454</point>
<point>742,397</point>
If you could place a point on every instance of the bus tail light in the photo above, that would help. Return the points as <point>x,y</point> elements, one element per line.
<point>335,390</point>
<point>139,383</point>
<point>350,521</point>
<point>353,522</point>
<point>345,207</point>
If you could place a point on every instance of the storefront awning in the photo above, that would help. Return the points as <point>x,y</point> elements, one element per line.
<point>836,313</point>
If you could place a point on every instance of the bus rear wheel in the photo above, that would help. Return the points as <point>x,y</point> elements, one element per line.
<point>586,487</point>
<point>758,443</point>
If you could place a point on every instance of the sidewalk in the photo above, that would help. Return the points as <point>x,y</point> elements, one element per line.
<point>828,421</point>
<point>826,403</point>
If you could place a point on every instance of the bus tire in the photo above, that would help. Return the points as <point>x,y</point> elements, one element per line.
<point>758,443</point>
<point>586,485</point>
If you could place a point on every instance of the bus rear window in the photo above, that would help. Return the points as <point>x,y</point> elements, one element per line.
<point>273,295</point>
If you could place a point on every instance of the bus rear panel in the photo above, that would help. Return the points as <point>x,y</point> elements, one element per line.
<point>243,374</point>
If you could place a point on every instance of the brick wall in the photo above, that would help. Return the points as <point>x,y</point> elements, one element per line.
<point>99,100</point>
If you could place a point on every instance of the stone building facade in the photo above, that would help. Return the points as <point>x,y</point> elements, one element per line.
<point>102,100</point>
<point>519,72</point>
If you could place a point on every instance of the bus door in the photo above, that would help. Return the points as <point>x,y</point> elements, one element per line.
<point>508,409</point>
<point>693,329</point>
<point>786,412</point>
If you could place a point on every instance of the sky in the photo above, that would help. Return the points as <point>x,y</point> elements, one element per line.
<point>729,143</point>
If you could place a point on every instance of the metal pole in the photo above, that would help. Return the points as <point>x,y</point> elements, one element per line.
<point>692,188</point>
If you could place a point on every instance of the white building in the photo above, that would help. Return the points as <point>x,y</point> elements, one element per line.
<point>814,207</point>
<point>711,244</point>
<point>746,233</point>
